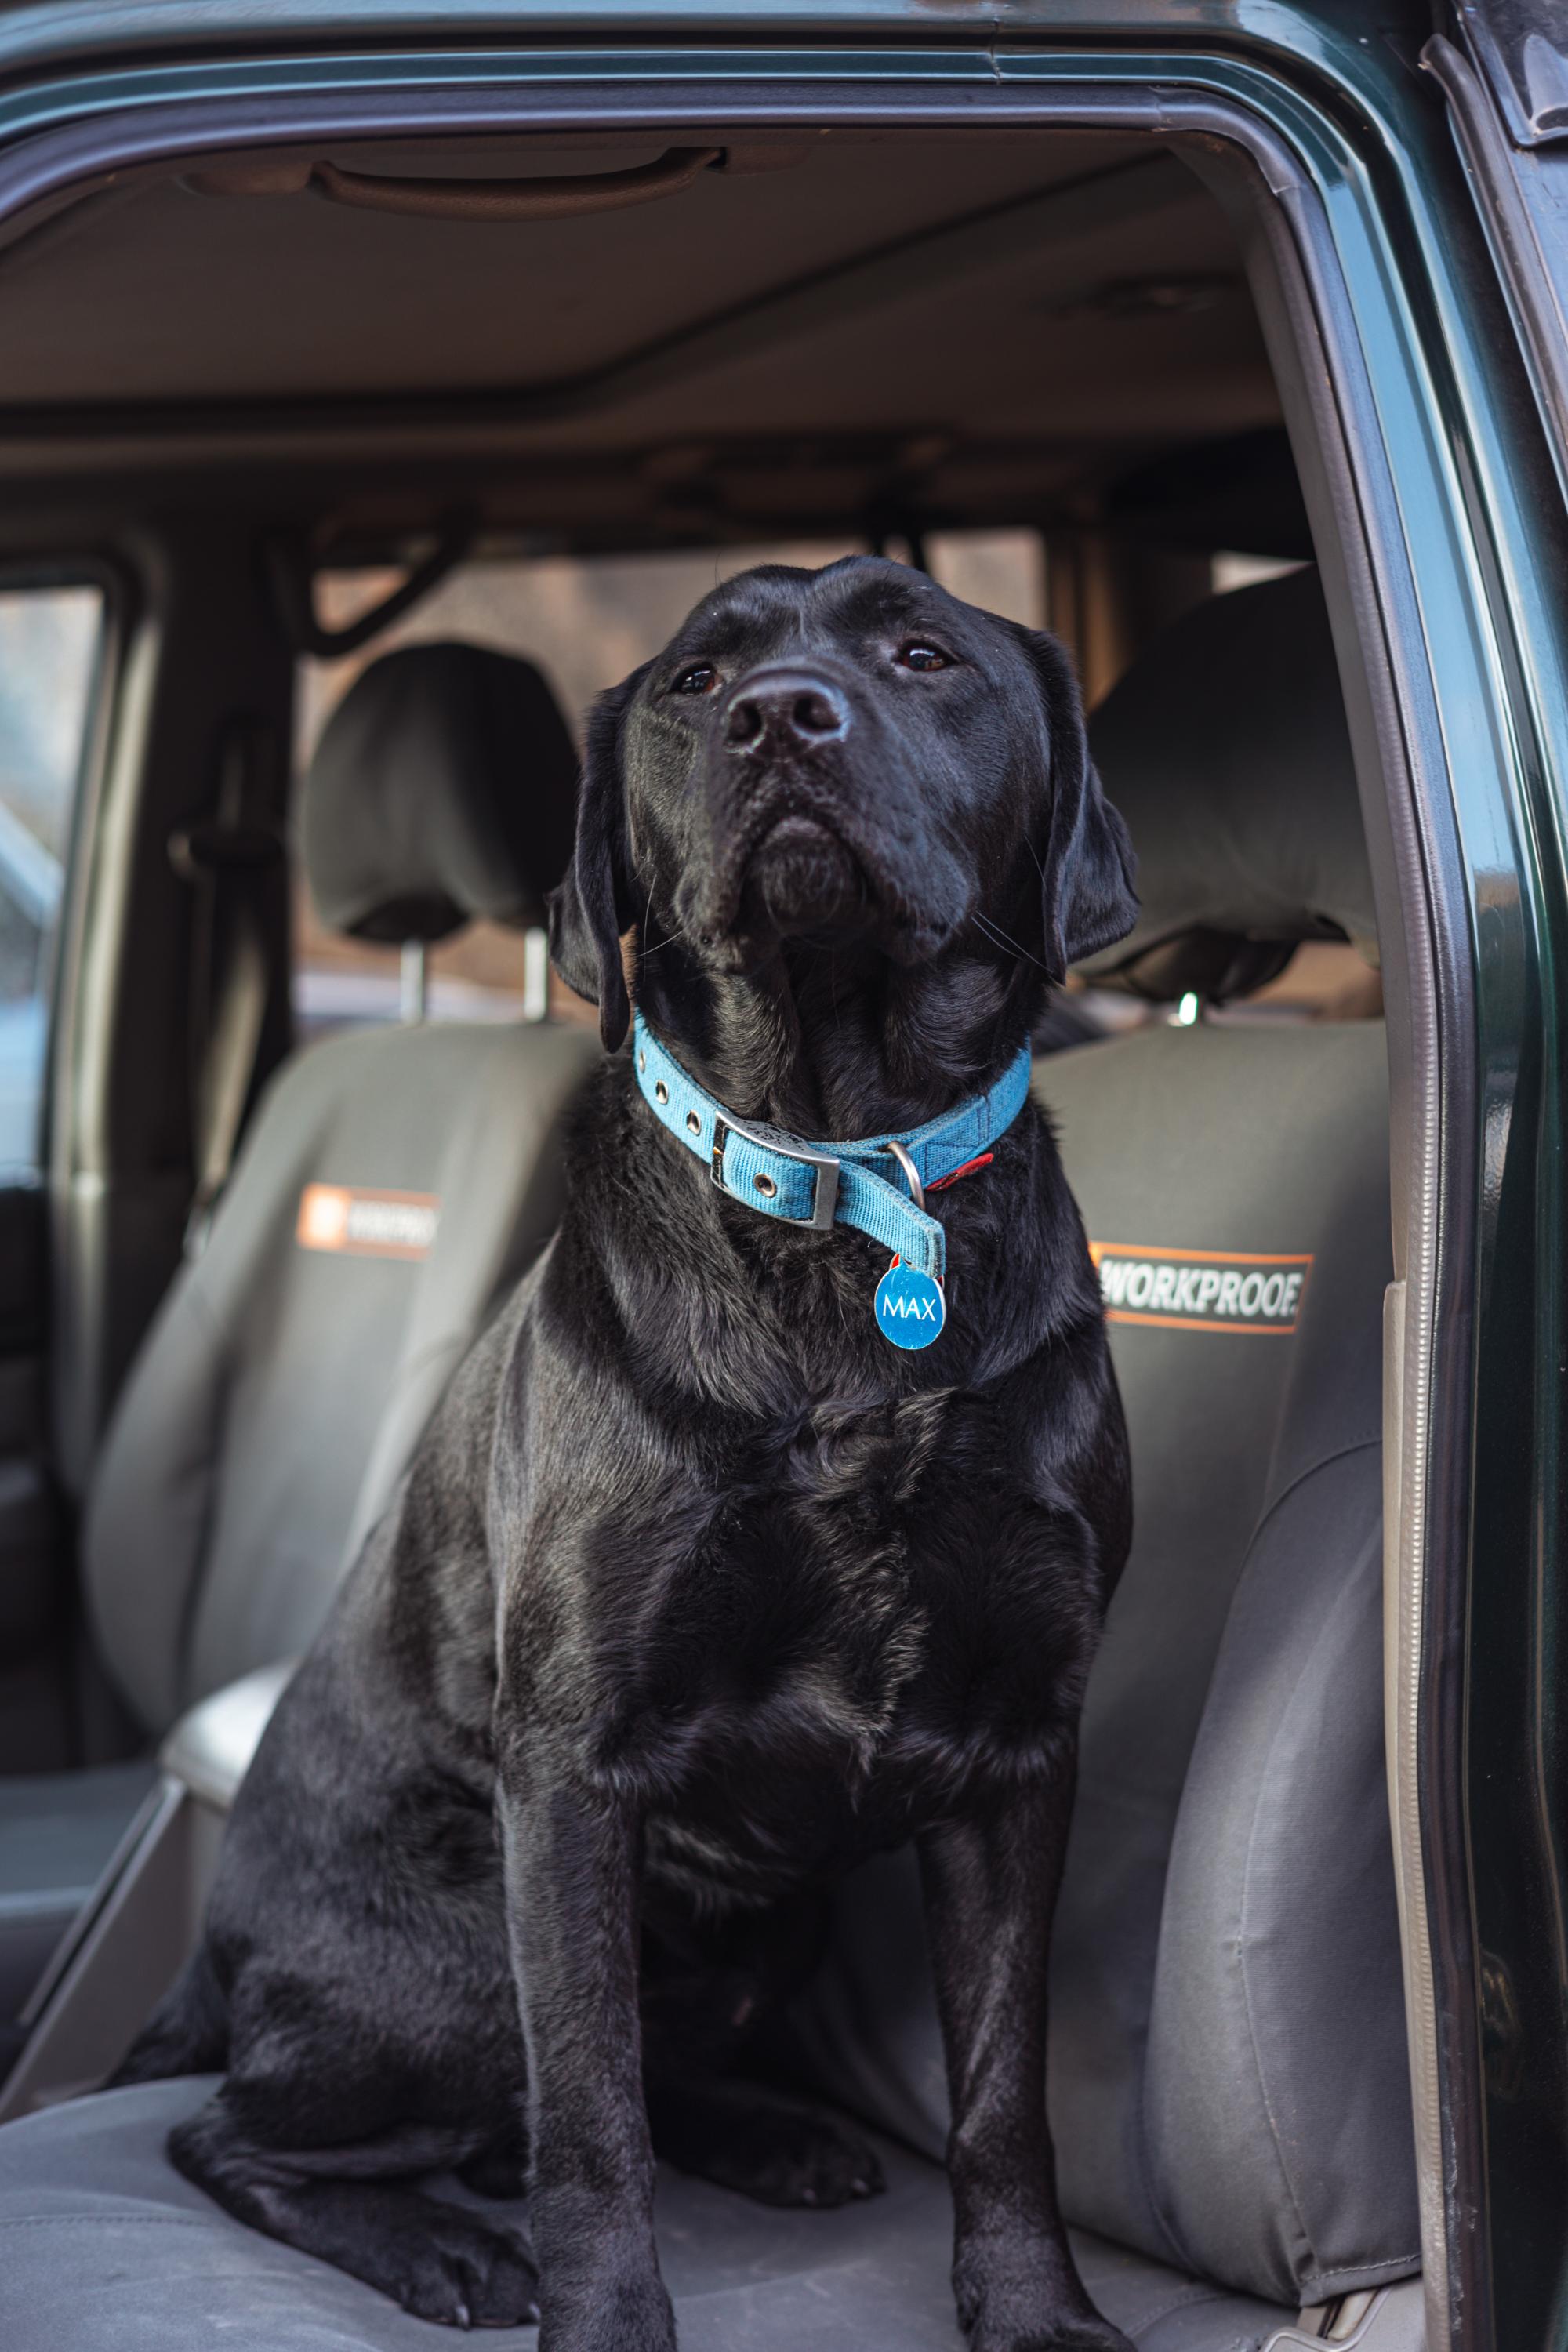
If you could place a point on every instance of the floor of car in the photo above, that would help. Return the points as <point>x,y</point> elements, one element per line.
<point>106,2250</point>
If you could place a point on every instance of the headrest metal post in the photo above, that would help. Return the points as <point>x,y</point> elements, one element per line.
<point>412,990</point>
<point>536,974</point>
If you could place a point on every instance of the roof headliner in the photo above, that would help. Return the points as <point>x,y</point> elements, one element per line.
<point>951,325</point>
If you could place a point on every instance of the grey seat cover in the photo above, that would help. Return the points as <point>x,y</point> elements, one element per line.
<point>1239,695</point>
<point>444,787</point>
<point>1229,2075</point>
<point>282,1385</point>
<point>297,1359</point>
<point>103,2248</point>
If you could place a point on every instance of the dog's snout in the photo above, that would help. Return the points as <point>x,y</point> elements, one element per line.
<point>783,710</point>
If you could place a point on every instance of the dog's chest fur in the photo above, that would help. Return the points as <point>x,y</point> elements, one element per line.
<point>807,1595</point>
<point>803,1604</point>
<point>809,1675</point>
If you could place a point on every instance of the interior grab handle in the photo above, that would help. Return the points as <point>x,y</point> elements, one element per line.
<point>516,200</point>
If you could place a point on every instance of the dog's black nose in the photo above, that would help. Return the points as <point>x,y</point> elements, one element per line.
<point>783,709</point>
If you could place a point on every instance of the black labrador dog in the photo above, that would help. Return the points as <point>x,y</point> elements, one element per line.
<point>698,1592</point>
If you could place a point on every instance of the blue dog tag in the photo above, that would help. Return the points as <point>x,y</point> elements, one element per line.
<point>911,1309</point>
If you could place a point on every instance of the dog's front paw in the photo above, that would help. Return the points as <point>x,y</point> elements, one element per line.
<point>464,2272</point>
<point>602,2288</point>
<point>616,2314</point>
<point>1029,2299</point>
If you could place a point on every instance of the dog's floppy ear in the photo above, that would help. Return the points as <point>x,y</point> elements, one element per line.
<point>1089,868</point>
<point>591,906</point>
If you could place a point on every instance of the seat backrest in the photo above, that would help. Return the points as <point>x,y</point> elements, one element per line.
<point>1228,2074</point>
<point>1229,2077</point>
<point>393,1181</point>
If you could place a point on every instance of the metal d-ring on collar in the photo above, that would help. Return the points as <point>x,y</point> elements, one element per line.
<point>861,1183</point>
<point>917,1189</point>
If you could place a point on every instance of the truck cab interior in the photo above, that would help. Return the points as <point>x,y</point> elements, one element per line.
<point>337,478</point>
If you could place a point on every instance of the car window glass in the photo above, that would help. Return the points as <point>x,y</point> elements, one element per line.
<point>50,644</point>
<point>586,620</point>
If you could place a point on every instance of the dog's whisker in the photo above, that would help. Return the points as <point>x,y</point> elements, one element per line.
<point>669,941</point>
<point>1004,939</point>
<point>995,938</point>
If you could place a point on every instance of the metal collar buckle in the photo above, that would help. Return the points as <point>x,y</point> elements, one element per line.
<point>825,1196</point>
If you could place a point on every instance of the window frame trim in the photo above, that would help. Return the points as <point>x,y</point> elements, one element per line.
<point>23,574</point>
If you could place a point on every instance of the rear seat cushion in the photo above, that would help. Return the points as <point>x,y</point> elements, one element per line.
<point>103,2248</point>
<point>1228,2077</point>
<point>289,1372</point>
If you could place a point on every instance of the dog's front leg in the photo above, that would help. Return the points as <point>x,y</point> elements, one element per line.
<point>990,1886</point>
<point>572,1892</point>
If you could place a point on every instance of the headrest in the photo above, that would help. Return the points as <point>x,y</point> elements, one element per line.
<point>443,787</point>
<point>1226,749</point>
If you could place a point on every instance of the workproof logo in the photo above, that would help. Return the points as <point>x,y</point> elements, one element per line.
<point>367,1223</point>
<point>1201,1290</point>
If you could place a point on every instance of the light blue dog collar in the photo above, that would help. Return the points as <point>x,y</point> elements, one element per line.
<point>818,1185</point>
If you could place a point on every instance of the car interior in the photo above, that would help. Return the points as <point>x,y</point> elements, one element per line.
<point>337,482</point>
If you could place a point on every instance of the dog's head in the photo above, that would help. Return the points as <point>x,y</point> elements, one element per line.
<point>851,757</point>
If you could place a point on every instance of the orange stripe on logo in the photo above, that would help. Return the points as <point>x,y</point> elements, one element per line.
<point>1097,1250</point>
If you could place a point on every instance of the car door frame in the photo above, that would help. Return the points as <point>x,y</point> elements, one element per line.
<point>1439,547</point>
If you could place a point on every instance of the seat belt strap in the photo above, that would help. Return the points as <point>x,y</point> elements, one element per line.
<point>229,859</point>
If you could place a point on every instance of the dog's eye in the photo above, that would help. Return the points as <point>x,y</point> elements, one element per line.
<point>699,680</point>
<point>920,656</point>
